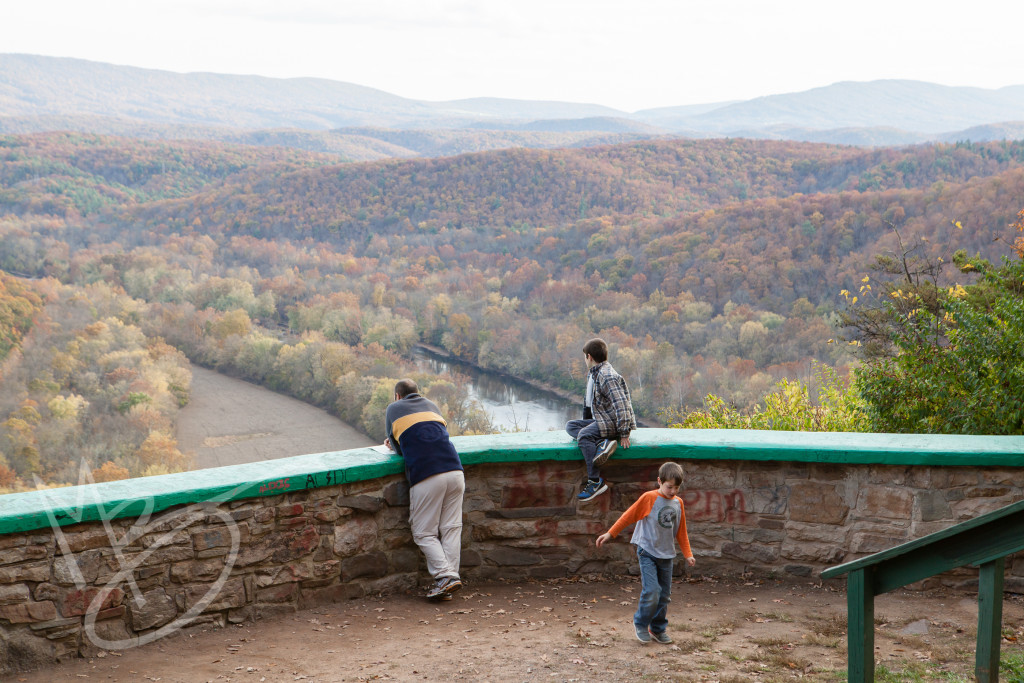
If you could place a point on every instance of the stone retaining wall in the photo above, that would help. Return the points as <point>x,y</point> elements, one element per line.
<point>74,591</point>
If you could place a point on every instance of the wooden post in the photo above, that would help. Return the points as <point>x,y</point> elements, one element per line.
<point>860,625</point>
<point>990,621</point>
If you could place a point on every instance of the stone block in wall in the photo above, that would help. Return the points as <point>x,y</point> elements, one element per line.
<point>327,570</point>
<point>400,538</point>
<point>886,502</point>
<point>624,494</point>
<point>22,650</point>
<point>279,547</point>
<point>295,544</point>
<point>816,502</point>
<point>230,594</point>
<point>162,556</point>
<point>805,532</point>
<point>393,518</point>
<point>88,539</point>
<point>291,572</point>
<point>580,527</point>
<point>240,510</point>
<point>765,500</point>
<point>396,494</point>
<point>503,528</point>
<point>373,564</point>
<point>504,557</point>
<point>988,492</point>
<point>355,535</point>
<point>865,543</point>
<point>470,558</point>
<point>22,554</point>
<point>704,475</point>
<point>152,609</point>
<point>755,476</point>
<point>29,612</point>
<point>47,591</point>
<point>85,566</point>
<point>148,540</point>
<point>12,541</point>
<point>218,537</point>
<point>999,476</point>
<point>33,571</point>
<point>932,506</point>
<point>713,506</point>
<point>475,502</point>
<point>819,471</point>
<point>285,592</point>
<point>626,472</point>
<point>289,510</point>
<point>751,552</point>
<point>392,583</point>
<point>969,508</point>
<point>529,513</point>
<point>77,601</point>
<point>263,515</point>
<point>821,552</point>
<point>405,560</point>
<point>293,522</point>
<point>331,514</point>
<point>525,494</point>
<point>335,593</point>
<point>240,615</point>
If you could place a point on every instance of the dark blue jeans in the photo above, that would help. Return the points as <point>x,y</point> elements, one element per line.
<point>655,592</point>
<point>587,436</point>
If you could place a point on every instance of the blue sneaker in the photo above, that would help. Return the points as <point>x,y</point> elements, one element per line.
<point>642,634</point>
<point>605,448</point>
<point>592,489</point>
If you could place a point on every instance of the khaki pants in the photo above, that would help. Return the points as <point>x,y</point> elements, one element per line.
<point>435,515</point>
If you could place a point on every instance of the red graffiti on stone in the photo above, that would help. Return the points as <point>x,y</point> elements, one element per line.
<point>276,485</point>
<point>715,506</point>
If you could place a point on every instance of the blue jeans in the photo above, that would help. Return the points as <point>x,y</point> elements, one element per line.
<point>587,435</point>
<point>655,592</point>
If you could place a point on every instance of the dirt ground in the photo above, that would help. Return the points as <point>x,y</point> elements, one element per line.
<point>571,630</point>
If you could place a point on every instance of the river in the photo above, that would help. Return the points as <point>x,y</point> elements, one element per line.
<point>512,404</point>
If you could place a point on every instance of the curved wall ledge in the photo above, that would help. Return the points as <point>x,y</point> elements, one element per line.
<point>132,497</point>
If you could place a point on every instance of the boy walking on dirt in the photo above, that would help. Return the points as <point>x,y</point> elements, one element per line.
<point>660,523</point>
<point>607,416</point>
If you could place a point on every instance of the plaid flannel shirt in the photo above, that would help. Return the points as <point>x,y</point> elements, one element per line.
<point>613,408</point>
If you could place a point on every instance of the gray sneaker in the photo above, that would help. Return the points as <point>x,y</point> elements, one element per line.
<point>663,637</point>
<point>444,587</point>
<point>605,448</point>
<point>642,634</point>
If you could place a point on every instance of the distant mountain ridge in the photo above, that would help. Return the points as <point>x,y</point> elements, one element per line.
<point>39,94</point>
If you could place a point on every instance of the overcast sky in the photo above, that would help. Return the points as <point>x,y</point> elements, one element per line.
<point>627,55</point>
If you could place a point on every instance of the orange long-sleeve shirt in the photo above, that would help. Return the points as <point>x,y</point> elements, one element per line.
<point>659,521</point>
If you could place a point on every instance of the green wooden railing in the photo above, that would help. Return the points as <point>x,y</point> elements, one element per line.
<point>984,542</point>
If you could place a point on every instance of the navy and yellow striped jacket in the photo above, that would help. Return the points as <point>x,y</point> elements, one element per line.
<point>420,435</point>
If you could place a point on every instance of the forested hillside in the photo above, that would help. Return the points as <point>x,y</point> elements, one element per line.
<point>710,266</point>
